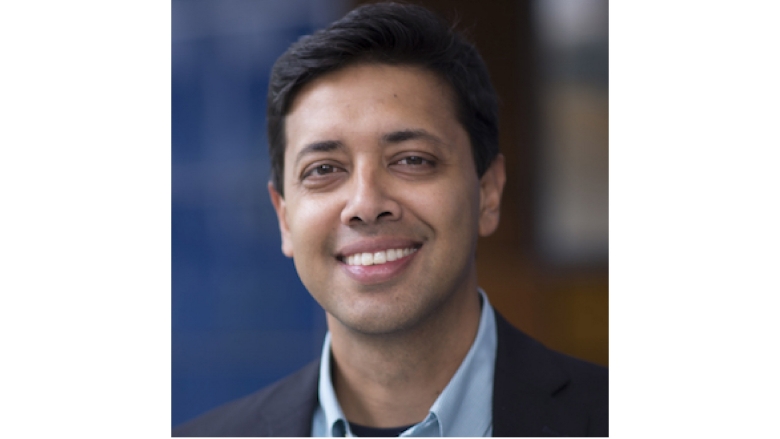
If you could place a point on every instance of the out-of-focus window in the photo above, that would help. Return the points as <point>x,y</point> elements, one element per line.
<point>240,316</point>
<point>572,49</point>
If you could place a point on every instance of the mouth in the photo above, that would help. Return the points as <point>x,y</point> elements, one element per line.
<point>377,264</point>
<point>378,257</point>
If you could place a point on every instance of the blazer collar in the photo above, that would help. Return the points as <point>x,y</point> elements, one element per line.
<point>526,379</point>
<point>293,403</point>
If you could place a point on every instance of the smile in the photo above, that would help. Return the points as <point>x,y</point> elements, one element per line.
<point>380,257</point>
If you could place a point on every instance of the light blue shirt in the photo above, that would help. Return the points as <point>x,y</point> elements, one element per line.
<point>463,409</point>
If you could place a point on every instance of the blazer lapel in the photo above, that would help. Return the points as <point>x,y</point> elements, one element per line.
<point>526,380</point>
<point>291,409</point>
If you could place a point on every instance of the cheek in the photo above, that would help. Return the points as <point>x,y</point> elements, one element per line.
<point>311,234</point>
<point>312,227</point>
<point>451,210</point>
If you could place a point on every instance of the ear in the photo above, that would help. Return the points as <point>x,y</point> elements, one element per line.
<point>491,186</point>
<point>281,214</point>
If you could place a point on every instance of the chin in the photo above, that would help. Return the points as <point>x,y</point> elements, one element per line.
<point>382,320</point>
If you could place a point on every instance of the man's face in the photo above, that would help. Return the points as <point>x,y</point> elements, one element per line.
<point>377,163</point>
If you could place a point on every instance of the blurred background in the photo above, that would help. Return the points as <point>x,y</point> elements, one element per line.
<point>241,319</point>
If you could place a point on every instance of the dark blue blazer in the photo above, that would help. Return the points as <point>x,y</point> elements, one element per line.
<point>536,392</point>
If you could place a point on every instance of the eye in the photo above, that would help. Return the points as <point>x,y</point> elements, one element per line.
<point>320,171</point>
<point>415,160</point>
<point>414,165</point>
<point>323,169</point>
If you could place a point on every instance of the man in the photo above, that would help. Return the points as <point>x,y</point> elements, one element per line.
<point>385,170</point>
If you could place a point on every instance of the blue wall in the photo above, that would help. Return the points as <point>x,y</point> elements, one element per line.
<point>240,316</point>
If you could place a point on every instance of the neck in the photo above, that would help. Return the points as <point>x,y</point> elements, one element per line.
<point>390,380</point>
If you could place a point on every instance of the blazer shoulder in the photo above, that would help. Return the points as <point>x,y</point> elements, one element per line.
<point>591,380</point>
<point>284,408</point>
<point>588,387</point>
<point>538,390</point>
<point>551,370</point>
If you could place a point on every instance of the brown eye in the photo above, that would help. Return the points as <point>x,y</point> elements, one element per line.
<point>414,160</point>
<point>321,170</point>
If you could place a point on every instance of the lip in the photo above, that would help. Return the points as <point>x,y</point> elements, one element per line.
<point>376,274</point>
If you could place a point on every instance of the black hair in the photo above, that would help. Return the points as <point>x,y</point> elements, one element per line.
<point>394,34</point>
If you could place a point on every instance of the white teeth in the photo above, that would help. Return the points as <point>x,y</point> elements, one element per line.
<point>378,258</point>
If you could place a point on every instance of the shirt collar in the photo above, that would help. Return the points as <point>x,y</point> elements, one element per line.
<point>464,408</point>
<point>335,421</point>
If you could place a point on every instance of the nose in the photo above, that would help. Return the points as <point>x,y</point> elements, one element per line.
<point>370,201</point>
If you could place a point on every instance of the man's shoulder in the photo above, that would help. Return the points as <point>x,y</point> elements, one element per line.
<point>587,384</point>
<point>519,352</point>
<point>569,396</point>
<point>588,390</point>
<point>284,408</point>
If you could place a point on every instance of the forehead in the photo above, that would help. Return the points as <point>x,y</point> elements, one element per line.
<point>369,97</point>
<point>367,75</point>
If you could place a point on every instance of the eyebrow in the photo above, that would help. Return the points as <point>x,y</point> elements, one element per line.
<point>404,135</point>
<point>324,146</point>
